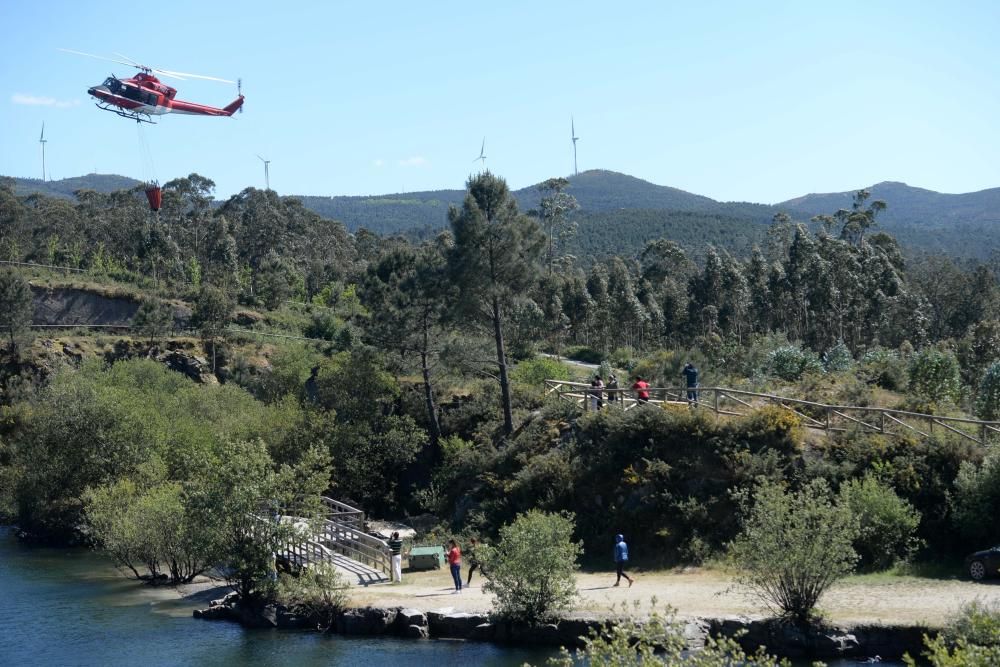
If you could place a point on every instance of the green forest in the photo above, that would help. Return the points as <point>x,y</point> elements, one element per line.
<point>406,376</point>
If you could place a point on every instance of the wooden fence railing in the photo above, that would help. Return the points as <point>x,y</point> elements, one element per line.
<point>819,416</point>
<point>340,530</point>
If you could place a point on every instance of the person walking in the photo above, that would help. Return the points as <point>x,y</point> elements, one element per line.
<point>690,374</point>
<point>474,562</point>
<point>621,557</point>
<point>396,549</point>
<point>641,388</point>
<point>455,563</point>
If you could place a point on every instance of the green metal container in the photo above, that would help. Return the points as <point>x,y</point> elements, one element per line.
<point>426,558</point>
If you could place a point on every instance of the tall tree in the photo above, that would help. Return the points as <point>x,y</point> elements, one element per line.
<point>407,291</point>
<point>554,211</point>
<point>493,261</point>
<point>16,307</point>
<point>212,313</point>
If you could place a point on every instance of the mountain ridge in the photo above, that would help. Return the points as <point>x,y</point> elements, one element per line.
<point>963,224</point>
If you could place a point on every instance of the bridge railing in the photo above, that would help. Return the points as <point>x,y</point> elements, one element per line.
<point>343,512</point>
<point>357,545</point>
<point>813,415</point>
<point>340,529</point>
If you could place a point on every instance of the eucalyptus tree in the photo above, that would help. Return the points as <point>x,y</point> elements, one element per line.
<point>493,261</point>
<point>554,211</point>
<point>854,222</point>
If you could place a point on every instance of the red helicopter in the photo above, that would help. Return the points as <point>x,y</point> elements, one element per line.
<point>142,96</point>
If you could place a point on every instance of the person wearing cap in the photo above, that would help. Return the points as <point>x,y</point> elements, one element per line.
<point>621,557</point>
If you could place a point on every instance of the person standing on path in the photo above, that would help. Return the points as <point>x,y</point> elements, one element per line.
<point>612,387</point>
<point>621,557</point>
<point>690,374</point>
<point>474,560</point>
<point>396,548</point>
<point>596,393</point>
<point>455,563</point>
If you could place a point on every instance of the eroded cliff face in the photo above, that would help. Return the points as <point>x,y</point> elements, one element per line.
<point>67,306</point>
<point>104,321</point>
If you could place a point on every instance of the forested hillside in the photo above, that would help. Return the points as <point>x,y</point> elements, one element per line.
<point>67,187</point>
<point>406,377</point>
<point>618,214</point>
<point>912,207</point>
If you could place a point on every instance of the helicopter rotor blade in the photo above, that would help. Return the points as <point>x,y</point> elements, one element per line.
<point>124,57</point>
<point>183,75</point>
<point>125,60</point>
<point>91,55</point>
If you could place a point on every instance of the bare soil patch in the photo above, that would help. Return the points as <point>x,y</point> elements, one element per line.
<point>695,592</point>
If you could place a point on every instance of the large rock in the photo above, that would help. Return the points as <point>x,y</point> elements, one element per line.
<point>196,368</point>
<point>890,642</point>
<point>456,625</point>
<point>572,631</point>
<point>217,613</point>
<point>407,616</point>
<point>695,633</point>
<point>366,621</point>
<point>416,632</point>
<point>789,639</point>
<point>484,632</point>
<point>252,617</point>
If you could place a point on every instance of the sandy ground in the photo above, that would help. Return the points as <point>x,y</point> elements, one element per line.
<point>705,593</point>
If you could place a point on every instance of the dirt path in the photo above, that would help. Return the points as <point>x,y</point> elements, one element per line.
<point>703,593</point>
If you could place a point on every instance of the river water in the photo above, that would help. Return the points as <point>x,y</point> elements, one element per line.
<point>71,607</point>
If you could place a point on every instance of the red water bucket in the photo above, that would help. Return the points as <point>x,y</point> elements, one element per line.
<point>155,197</point>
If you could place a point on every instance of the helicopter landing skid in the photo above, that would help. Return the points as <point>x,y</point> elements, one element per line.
<point>124,113</point>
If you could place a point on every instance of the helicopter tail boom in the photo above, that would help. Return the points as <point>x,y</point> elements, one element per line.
<point>232,107</point>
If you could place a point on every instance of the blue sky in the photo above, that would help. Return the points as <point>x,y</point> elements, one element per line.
<point>755,101</point>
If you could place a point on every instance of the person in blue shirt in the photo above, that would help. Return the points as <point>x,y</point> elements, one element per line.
<point>621,557</point>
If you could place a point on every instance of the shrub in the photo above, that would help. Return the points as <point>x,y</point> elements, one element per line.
<point>933,375</point>
<point>976,500</point>
<point>147,532</point>
<point>884,368</point>
<point>988,400</point>
<point>587,355</point>
<point>623,357</point>
<point>534,372</point>
<point>532,567</point>
<point>791,362</point>
<point>971,639</point>
<point>976,622</point>
<point>792,547</point>
<point>887,522</point>
<point>838,358</point>
<point>319,593</point>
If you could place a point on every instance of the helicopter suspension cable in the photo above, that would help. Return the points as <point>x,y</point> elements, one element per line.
<point>146,165</point>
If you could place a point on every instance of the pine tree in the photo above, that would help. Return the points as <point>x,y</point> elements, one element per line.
<point>494,260</point>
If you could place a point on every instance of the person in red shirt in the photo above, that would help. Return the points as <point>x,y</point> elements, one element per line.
<point>455,563</point>
<point>641,388</point>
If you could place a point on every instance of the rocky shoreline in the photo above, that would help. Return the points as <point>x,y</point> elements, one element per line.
<point>863,642</point>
